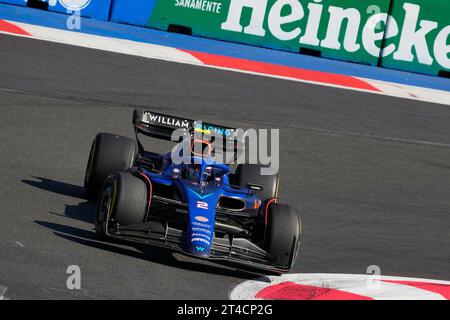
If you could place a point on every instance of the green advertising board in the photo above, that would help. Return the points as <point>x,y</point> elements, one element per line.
<point>414,34</point>
<point>350,30</point>
<point>418,36</point>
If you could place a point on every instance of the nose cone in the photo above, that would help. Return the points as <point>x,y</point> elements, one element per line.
<point>201,226</point>
<point>201,221</point>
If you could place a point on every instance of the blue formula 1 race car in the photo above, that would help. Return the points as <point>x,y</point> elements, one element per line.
<point>198,207</point>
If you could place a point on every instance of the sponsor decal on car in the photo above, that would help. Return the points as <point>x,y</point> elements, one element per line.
<point>209,129</point>
<point>201,240</point>
<point>194,229</point>
<point>202,205</point>
<point>201,218</point>
<point>201,235</point>
<point>203,225</point>
<point>165,120</point>
<point>199,249</point>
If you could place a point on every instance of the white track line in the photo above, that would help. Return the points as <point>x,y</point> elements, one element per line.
<point>19,244</point>
<point>411,92</point>
<point>114,45</point>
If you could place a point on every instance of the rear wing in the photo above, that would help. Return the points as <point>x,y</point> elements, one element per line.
<point>162,126</point>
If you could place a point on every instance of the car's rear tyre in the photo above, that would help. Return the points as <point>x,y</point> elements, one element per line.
<point>283,234</point>
<point>251,174</point>
<point>109,154</point>
<point>123,200</point>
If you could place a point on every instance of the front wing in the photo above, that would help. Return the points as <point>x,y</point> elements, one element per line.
<point>224,250</point>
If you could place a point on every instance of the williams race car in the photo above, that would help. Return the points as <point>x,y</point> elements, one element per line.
<point>197,207</point>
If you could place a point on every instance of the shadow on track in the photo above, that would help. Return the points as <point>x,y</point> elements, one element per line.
<point>84,211</point>
<point>147,253</point>
<point>58,187</point>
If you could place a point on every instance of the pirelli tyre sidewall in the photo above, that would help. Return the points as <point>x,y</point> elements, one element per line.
<point>105,206</point>
<point>123,201</point>
<point>109,154</point>
<point>283,234</point>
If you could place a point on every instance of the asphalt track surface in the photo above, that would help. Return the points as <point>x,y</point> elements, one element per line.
<point>371,174</point>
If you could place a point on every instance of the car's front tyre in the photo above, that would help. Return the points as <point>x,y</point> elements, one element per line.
<point>283,234</point>
<point>109,154</point>
<point>123,201</point>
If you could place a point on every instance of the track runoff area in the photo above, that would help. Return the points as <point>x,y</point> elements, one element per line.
<point>298,285</point>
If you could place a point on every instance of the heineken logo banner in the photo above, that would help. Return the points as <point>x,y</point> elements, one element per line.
<point>401,34</point>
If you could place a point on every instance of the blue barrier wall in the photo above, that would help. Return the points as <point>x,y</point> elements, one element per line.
<point>134,12</point>
<point>16,2</point>
<point>97,9</point>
